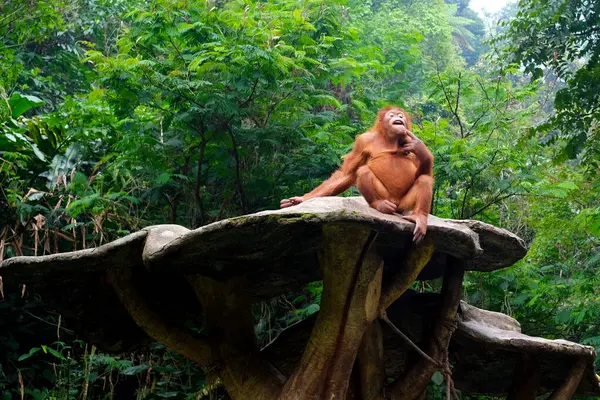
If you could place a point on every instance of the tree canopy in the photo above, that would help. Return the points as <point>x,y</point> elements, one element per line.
<point>559,40</point>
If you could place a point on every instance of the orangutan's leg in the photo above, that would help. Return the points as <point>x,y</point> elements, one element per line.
<point>374,191</point>
<point>418,199</point>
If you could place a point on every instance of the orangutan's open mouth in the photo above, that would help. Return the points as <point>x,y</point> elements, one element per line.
<point>398,122</point>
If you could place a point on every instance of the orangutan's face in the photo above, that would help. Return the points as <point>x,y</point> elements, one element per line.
<point>394,122</point>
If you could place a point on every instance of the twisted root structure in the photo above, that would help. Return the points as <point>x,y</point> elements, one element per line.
<point>373,337</point>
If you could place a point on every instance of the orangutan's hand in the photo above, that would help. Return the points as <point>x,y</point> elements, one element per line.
<point>416,146</point>
<point>292,201</point>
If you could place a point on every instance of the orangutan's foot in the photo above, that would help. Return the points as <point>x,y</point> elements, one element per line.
<point>384,206</point>
<point>420,221</point>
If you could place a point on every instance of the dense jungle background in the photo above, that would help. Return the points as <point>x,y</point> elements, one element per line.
<point>119,114</point>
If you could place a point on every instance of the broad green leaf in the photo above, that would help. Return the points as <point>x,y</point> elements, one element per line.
<point>20,103</point>
<point>38,152</point>
<point>136,369</point>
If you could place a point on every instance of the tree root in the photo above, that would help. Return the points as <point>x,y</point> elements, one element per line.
<point>413,383</point>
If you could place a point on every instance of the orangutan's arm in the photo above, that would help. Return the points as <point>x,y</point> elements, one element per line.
<point>344,177</point>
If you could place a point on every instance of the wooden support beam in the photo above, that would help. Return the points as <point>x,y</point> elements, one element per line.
<point>159,328</point>
<point>228,317</point>
<point>407,273</point>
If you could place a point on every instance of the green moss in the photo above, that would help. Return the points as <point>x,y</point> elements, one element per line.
<point>274,218</point>
<point>239,220</point>
<point>290,219</point>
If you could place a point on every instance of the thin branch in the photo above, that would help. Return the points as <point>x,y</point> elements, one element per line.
<point>492,158</point>
<point>160,85</point>
<point>587,32</point>
<point>416,348</point>
<point>276,179</point>
<point>238,177</point>
<point>487,97</point>
<point>222,208</point>
<point>495,201</point>
<point>444,90</point>
<point>30,18</point>
<point>450,106</point>
<point>458,93</point>
<point>256,122</point>
<point>188,74</point>
<point>275,105</point>
<point>484,111</point>
<point>177,49</point>
<point>197,195</point>
<point>462,209</point>
<point>2,21</point>
<point>48,322</point>
<point>474,125</point>
<point>251,97</point>
<point>10,46</point>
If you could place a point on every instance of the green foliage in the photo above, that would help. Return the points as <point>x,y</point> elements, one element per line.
<point>469,31</point>
<point>555,285</point>
<point>561,36</point>
<point>483,156</point>
<point>212,93</point>
<point>116,115</point>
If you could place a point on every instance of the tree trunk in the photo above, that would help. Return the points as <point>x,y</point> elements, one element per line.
<point>370,365</point>
<point>350,300</point>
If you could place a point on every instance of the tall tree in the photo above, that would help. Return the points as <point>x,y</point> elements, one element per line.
<point>563,36</point>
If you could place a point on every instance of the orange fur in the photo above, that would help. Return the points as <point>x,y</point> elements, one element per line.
<point>393,170</point>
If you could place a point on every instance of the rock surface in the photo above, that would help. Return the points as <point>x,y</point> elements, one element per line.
<point>494,343</point>
<point>278,249</point>
<point>75,284</point>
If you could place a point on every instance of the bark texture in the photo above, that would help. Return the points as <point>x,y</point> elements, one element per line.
<point>571,382</point>
<point>413,383</point>
<point>371,364</point>
<point>228,316</point>
<point>351,291</point>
